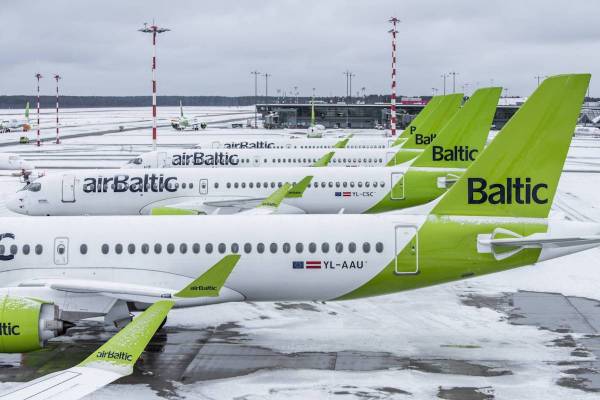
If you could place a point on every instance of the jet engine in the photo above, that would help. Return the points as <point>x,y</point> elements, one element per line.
<point>26,324</point>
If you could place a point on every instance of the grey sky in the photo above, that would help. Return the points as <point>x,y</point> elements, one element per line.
<point>214,45</point>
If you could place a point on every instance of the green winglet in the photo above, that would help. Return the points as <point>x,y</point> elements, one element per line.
<point>517,174</point>
<point>276,197</point>
<point>210,283</point>
<point>298,189</point>
<point>172,211</point>
<point>324,161</point>
<point>342,143</point>
<point>122,351</point>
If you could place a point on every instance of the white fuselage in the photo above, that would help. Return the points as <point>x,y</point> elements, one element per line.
<point>248,142</point>
<point>117,192</point>
<point>240,158</point>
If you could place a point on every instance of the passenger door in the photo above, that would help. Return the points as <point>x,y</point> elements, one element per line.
<point>397,186</point>
<point>162,159</point>
<point>407,250</point>
<point>68,188</point>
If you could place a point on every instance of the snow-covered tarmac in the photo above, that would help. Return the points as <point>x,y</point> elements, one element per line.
<point>530,333</point>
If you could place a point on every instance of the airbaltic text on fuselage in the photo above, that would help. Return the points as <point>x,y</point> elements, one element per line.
<point>204,158</point>
<point>455,153</point>
<point>259,144</point>
<point>123,183</point>
<point>514,190</point>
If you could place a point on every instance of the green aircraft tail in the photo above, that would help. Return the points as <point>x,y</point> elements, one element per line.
<point>27,111</point>
<point>464,136</point>
<point>518,173</point>
<point>420,136</point>
<point>418,120</point>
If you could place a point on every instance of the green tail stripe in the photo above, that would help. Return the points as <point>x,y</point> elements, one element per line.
<point>467,131</point>
<point>276,197</point>
<point>529,150</point>
<point>432,125</point>
<point>418,120</point>
<point>342,143</point>
<point>324,161</point>
<point>209,284</point>
<point>123,349</point>
<point>298,189</point>
<point>172,211</point>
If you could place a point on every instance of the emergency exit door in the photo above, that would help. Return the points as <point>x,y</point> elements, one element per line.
<point>397,186</point>
<point>61,251</point>
<point>407,250</point>
<point>68,188</point>
<point>203,186</point>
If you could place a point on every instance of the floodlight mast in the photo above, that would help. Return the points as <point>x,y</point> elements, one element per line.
<point>38,76</point>
<point>154,30</point>
<point>394,21</point>
<point>57,78</point>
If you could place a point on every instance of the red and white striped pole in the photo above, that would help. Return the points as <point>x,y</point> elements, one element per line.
<point>38,76</point>
<point>393,119</point>
<point>57,77</point>
<point>154,30</point>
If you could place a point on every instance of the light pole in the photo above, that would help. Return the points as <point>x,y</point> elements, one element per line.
<point>434,91</point>
<point>154,30</point>
<point>57,77</point>
<point>453,74</point>
<point>255,73</point>
<point>267,75</point>
<point>444,75</point>
<point>296,93</point>
<point>38,76</point>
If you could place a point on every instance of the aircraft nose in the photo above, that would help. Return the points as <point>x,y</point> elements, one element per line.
<point>16,203</point>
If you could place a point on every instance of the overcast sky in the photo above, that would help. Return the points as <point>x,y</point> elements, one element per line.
<point>214,45</point>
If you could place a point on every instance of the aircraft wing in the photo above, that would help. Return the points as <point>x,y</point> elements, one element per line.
<point>110,362</point>
<point>251,206</point>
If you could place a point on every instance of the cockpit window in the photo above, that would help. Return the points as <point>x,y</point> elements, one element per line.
<point>136,161</point>
<point>33,187</point>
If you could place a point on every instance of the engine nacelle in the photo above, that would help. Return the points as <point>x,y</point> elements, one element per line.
<point>26,324</point>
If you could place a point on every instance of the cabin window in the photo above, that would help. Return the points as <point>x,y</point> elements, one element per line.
<point>273,248</point>
<point>216,185</point>
<point>208,248</point>
<point>183,185</point>
<point>228,185</point>
<point>26,249</point>
<point>157,248</point>
<point>339,247</point>
<point>345,184</point>
<point>260,248</point>
<point>375,184</point>
<point>131,248</point>
<point>191,185</point>
<point>325,247</point>
<point>323,184</point>
<point>382,184</point>
<point>38,249</point>
<point>351,184</point>
<point>118,248</point>
<point>272,185</point>
<point>145,248</point>
<point>299,247</point>
<point>352,247</point>
<point>170,248</point>
<point>236,185</point>
<point>235,248</point>
<point>183,248</point>
<point>312,247</point>
<point>196,248</point>
<point>359,184</point>
<point>379,247</point>
<point>366,247</point>
<point>367,184</point>
<point>251,185</point>
<point>247,248</point>
<point>243,185</point>
<point>104,249</point>
<point>286,247</point>
<point>13,249</point>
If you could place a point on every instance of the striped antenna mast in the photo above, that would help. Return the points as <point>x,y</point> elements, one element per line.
<point>38,76</point>
<point>154,30</point>
<point>57,77</point>
<point>394,21</point>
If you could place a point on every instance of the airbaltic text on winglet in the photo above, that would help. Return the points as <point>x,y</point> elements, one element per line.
<point>115,355</point>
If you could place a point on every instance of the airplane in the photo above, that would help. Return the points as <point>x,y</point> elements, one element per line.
<point>494,218</point>
<point>9,125</point>
<point>408,145</point>
<point>227,191</point>
<point>182,122</point>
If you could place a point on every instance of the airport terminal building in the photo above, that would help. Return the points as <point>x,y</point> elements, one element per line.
<point>358,116</point>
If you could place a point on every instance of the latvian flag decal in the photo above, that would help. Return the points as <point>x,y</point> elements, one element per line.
<point>313,265</point>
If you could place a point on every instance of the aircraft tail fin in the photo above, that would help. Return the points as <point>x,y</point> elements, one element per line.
<point>464,136</point>
<point>324,161</point>
<point>27,111</point>
<point>420,136</point>
<point>518,173</point>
